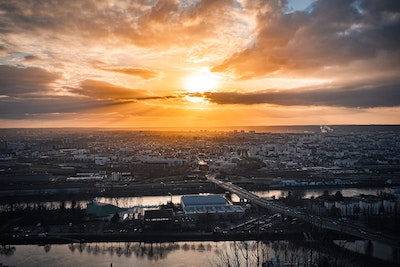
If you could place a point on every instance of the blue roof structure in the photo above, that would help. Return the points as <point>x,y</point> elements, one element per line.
<point>194,205</point>
<point>203,200</point>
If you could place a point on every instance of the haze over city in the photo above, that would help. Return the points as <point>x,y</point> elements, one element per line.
<point>198,63</point>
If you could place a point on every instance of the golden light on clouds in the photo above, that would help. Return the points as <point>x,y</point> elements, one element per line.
<point>196,100</point>
<point>151,63</point>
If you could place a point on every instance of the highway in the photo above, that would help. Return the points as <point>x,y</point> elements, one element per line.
<point>321,222</point>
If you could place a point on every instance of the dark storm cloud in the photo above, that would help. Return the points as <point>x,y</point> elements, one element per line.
<point>16,81</point>
<point>366,97</point>
<point>331,33</point>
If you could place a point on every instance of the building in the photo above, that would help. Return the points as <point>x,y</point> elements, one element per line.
<point>366,205</point>
<point>163,218</point>
<point>215,206</point>
<point>349,207</point>
<point>121,176</point>
<point>102,210</point>
<point>87,176</point>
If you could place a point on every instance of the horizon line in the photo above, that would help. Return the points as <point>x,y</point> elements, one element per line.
<point>204,127</point>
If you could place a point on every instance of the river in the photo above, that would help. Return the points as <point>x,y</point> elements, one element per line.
<point>166,254</point>
<point>128,202</point>
<point>193,254</point>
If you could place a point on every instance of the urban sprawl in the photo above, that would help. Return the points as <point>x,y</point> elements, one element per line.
<point>217,175</point>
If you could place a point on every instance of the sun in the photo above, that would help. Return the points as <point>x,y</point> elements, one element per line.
<point>200,82</point>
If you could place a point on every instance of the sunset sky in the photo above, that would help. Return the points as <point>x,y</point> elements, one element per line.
<point>186,63</point>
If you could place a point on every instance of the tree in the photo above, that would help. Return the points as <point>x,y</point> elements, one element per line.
<point>323,261</point>
<point>338,196</point>
<point>62,207</point>
<point>369,248</point>
<point>335,212</point>
<point>115,218</point>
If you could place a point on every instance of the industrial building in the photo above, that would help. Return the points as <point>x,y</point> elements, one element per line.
<point>163,218</point>
<point>216,206</point>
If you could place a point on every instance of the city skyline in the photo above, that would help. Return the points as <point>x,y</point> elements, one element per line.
<point>198,63</point>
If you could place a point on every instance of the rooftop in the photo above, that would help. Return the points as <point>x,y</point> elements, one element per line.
<point>202,200</point>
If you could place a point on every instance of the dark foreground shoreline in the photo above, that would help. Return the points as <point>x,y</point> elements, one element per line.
<point>160,237</point>
<point>143,237</point>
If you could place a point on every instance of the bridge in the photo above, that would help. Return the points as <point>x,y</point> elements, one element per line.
<point>319,221</point>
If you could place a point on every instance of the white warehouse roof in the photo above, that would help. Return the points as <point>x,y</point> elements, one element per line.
<point>209,204</point>
<point>203,200</point>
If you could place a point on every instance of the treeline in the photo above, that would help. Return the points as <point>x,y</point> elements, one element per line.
<point>41,214</point>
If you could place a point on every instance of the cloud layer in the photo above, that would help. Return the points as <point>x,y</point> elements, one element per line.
<point>331,34</point>
<point>127,59</point>
<point>25,81</point>
<point>381,96</point>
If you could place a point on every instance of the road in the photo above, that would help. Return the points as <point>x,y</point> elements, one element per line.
<point>319,221</point>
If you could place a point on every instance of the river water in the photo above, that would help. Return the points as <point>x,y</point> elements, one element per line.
<point>128,202</point>
<point>166,254</point>
<point>192,254</point>
<point>111,254</point>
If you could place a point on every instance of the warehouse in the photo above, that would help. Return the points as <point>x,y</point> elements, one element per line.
<point>216,206</point>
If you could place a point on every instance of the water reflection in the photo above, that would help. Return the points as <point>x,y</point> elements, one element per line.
<point>232,253</point>
<point>150,251</point>
<point>129,202</point>
<point>47,248</point>
<point>48,205</point>
<point>7,250</point>
<point>369,248</point>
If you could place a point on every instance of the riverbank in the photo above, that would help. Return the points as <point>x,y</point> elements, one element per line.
<point>79,191</point>
<point>160,237</point>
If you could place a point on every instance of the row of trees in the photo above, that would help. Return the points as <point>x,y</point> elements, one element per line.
<point>32,213</point>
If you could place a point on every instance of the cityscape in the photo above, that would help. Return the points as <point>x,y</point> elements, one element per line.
<point>307,184</point>
<point>193,133</point>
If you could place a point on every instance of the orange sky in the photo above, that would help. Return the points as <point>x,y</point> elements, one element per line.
<point>171,63</point>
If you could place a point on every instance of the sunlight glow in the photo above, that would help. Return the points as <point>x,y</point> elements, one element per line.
<point>196,99</point>
<point>200,82</point>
